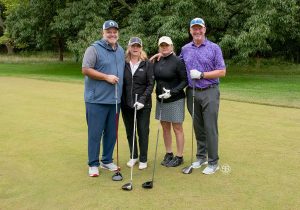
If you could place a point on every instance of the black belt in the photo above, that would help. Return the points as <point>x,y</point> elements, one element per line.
<point>202,89</point>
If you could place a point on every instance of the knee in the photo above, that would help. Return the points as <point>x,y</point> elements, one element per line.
<point>178,129</point>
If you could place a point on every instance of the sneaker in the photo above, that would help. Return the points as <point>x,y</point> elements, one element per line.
<point>168,157</point>
<point>131,162</point>
<point>176,161</point>
<point>142,165</point>
<point>210,169</point>
<point>109,166</point>
<point>93,171</point>
<point>199,163</point>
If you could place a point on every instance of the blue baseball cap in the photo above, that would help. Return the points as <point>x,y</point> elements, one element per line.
<point>197,21</point>
<point>110,24</point>
<point>135,40</point>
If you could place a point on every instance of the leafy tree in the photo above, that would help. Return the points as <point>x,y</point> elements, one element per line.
<point>268,25</point>
<point>79,24</point>
<point>6,6</point>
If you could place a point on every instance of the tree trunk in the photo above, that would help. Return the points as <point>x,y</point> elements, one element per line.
<point>10,48</point>
<point>61,49</point>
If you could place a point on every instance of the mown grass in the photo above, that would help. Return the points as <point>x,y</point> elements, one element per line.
<point>266,83</point>
<point>43,153</point>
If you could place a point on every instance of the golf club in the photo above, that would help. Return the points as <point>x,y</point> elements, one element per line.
<point>189,169</point>
<point>149,184</point>
<point>117,176</point>
<point>128,186</point>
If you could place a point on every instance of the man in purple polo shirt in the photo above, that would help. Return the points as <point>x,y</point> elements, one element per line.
<point>204,64</point>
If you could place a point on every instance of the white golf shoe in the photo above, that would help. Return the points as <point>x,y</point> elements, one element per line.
<point>132,162</point>
<point>93,171</point>
<point>211,169</point>
<point>142,165</point>
<point>109,166</point>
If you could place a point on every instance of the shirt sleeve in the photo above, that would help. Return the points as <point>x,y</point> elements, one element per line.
<point>219,60</point>
<point>89,58</point>
<point>181,71</point>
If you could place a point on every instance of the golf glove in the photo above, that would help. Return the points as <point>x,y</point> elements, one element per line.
<point>195,74</point>
<point>138,105</point>
<point>165,95</point>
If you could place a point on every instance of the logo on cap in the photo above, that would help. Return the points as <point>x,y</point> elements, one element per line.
<point>110,24</point>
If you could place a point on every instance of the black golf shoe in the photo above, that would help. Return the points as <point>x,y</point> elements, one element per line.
<point>168,157</point>
<point>176,161</point>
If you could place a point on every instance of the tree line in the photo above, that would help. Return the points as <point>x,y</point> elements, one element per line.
<point>243,28</point>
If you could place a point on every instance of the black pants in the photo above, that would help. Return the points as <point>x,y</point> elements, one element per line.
<point>142,125</point>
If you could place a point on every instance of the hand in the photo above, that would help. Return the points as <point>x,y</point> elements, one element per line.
<point>195,74</point>
<point>165,95</point>
<point>155,57</point>
<point>112,79</point>
<point>138,105</point>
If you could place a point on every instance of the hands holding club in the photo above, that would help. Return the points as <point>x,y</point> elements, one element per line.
<point>195,74</point>
<point>165,95</point>
<point>138,105</point>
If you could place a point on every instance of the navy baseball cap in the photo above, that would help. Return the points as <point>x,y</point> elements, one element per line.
<point>110,24</point>
<point>135,40</point>
<point>197,21</point>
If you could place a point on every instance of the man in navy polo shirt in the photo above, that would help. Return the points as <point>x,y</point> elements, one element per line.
<point>103,67</point>
<point>204,64</point>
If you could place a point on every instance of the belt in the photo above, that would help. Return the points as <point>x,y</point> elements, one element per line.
<point>202,89</point>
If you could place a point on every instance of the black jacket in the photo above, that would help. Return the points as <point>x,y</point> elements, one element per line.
<point>140,83</point>
<point>170,73</point>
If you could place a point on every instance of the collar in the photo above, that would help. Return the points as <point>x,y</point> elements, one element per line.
<point>204,43</point>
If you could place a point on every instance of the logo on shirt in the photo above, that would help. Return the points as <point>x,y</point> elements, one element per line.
<point>141,70</point>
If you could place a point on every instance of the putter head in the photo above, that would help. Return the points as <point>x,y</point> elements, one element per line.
<point>127,187</point>
<point>148,185</point>
<point>187,170</point>
<point>117,177</point>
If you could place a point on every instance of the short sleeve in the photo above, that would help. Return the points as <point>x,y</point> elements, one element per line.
<point>89,58</point>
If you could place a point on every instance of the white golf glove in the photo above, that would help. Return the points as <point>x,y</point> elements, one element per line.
<point>138,105</point>
<point>195,74</point>
<point>165,95</point>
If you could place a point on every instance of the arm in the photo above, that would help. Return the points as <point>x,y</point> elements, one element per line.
<point>214,74</point>
<point>92,73</point>
<point>150,83</point>
<point>181,71</point>
<point>88,64</point>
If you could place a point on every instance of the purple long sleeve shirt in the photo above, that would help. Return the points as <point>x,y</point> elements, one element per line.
<point>207,57</point>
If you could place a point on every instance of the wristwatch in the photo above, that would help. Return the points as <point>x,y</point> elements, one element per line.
<point>201,75</point>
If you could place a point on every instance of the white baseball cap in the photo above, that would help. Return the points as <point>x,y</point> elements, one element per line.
<point>165,39</point>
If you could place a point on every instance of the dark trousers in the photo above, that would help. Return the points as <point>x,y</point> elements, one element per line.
<point>206,121</point>
<point>101,121</point>
<point>142,125</point>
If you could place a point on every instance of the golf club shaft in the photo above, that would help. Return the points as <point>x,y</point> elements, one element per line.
<point>117,124</point>
<point>157,136</point>
<point>133,137</point>
<point>193,117</point>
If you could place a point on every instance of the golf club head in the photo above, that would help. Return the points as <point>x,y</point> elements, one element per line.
<point>127,187</point>
<point>148,185</point>
<point>187,170</point>
<point>117,177</point>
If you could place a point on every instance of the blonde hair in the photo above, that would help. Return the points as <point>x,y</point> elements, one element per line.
<point>143,56</point>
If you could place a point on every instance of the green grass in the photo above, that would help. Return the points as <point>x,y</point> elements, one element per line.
<point>265,83</point>
<point>43,154</point>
